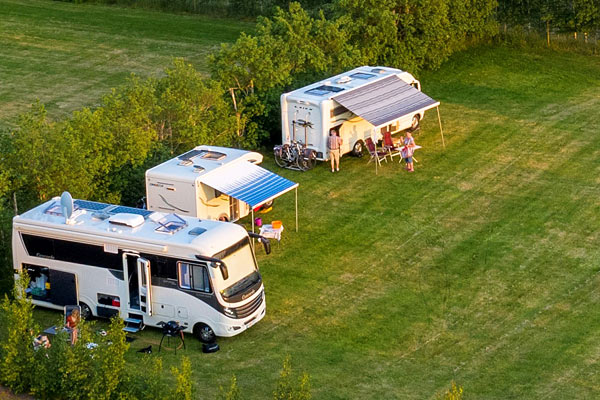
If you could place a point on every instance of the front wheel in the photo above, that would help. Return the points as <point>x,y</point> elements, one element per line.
<point>204,333</point>
<point>357,149</point>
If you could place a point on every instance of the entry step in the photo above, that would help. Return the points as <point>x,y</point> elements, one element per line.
<point>133,324</point>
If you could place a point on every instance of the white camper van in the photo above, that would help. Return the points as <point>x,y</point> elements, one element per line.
<point>212,182</point>
<point>360,103</point>
<point>178,185</point>
<point>144,266</point>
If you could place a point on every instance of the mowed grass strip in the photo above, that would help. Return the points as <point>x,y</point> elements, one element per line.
<point>70,55</point>
<point>481,267</point>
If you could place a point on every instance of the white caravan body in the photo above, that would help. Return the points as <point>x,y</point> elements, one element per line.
<point>177,184</point>
<point>315,104</point>
<point>135,263</point>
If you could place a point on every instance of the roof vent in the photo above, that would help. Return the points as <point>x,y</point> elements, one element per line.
<point>197,231</point>
<point>379,70</point>
<point>185,163</point>
<point>344,79</point>
<point>198,168</point>
<point>125,219</point>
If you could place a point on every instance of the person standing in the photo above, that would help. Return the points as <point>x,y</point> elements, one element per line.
<point>334,143</point>
<point>407,152</point>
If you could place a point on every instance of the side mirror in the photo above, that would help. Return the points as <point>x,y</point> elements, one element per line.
<point>224,271</point>
<point>266,244</point>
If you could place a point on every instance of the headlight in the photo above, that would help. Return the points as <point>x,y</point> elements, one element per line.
<point>229,312</point>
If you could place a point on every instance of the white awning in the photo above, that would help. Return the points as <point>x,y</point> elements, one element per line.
<point>248,182</point>
<point>385,101</point>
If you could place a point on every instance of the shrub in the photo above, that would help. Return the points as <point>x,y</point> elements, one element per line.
<point>17,328</point>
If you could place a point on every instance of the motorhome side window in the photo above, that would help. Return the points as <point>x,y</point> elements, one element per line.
<point>74,252</point>
<point>193,277</point>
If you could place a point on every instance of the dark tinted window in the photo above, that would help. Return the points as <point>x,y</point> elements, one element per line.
<point>162,267</point>
<point>75,252</point>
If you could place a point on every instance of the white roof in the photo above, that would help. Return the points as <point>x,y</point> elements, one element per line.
<point>90,223</point>
<point>345,81</point>
<point>200,161</point>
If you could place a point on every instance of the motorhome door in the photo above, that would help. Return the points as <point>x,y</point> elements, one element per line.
<point>138,285</point>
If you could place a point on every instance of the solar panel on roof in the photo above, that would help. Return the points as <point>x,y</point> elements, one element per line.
<point>131,210</point>
<point>90,205</point>
<point>324,89</point>
<point>362,75</point>
<point>190,154</point>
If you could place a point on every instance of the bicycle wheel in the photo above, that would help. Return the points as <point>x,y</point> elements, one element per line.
<point>278,152</point>
<point>309,159</point>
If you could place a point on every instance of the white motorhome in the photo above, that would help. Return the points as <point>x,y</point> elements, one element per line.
<point>360,103</point>
<point>178,185</point>
<point>146,267</point>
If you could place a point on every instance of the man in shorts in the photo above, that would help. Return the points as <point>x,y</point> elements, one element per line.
<point>333,143</point>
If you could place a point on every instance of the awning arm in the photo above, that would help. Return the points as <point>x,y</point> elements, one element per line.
<point>440,122</point>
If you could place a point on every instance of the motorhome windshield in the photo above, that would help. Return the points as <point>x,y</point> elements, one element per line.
<point>241,285</point>
<point>242,269</point>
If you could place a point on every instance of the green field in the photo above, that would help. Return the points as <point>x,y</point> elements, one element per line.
<point>482,267</point>
<point>69,55</point>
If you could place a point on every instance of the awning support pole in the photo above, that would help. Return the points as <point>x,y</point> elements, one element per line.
<point>253,220</point>
<point>441,131</point>
<point>296,209</point>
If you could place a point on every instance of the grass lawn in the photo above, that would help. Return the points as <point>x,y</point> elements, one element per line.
<point>481,267</point>
<point>69,55</point>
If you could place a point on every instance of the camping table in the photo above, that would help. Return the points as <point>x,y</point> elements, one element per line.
<point>268,231</point>
<point>416,147</point>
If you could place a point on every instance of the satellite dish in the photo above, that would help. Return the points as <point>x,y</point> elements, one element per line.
<point>66,205</point>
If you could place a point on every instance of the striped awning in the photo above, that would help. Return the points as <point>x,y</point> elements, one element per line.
<point>248,182</point>
<point>385,101</point>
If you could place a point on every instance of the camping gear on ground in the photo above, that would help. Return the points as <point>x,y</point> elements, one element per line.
<point>210,347</point>
<point>172,329</point>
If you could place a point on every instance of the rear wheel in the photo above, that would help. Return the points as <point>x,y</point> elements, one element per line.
<point>357,149</point>
<point>204,333</point>
<point>86,311</point>
<point>415,122</point>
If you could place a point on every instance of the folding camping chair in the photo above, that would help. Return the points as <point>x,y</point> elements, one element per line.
<point>376,155</point>
<point>388,144</point>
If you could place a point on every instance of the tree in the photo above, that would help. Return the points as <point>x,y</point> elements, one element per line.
<point>17,329</point>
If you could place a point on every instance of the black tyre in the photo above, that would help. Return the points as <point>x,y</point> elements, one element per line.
<point>357,149</point>
<point>416,119</point>
<point>204,333</point>
<point>278,151</point>
<point>268,204</point>
<point>86,311</point>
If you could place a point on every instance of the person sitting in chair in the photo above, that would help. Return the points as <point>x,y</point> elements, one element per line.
<point>72,322</point>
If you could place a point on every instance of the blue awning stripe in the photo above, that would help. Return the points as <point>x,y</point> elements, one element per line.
<point>249,183</point>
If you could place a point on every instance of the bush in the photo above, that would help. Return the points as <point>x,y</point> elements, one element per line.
<point>17,329</point>
<point>289,388</point>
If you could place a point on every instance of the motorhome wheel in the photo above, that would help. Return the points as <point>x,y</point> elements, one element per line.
<point>204,333</point>
<point>86,312</point>
<point>415,122</point>
<point>357,149</point>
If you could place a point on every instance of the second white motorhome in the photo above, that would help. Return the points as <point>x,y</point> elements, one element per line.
<point>218,183</point>
<point>145,266</point>
<point>360,103</point>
